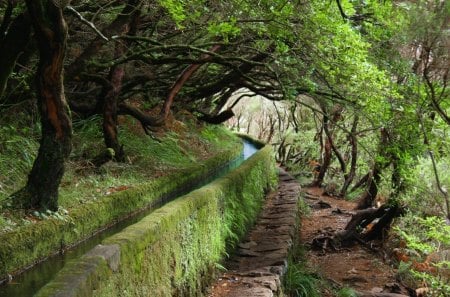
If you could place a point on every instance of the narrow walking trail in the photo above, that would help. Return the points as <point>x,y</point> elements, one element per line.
<point>256,268</point>
<point>356,267</point>
<point>261,258</point>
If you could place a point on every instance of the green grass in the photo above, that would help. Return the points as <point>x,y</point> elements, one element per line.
<point>346,292</point>
<point>18,148</point>
<point>146,158</point>
<point>298,282</point>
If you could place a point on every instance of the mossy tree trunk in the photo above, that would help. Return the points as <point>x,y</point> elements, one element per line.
<point>111,91</point>
<point>111,95</point>
<point>50,28</point>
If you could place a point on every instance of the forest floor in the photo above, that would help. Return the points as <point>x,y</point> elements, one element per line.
<point>361,268</point>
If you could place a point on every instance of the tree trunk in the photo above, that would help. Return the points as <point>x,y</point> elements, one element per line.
<point>363,181</point>
<point>327,127</point>
<point>326,155</point>
<point>326,161</point>
<point>368,197</point>
<point>351,174</point>
<point>50,28</point>
<point>368,224</point>
<point>110,131</point>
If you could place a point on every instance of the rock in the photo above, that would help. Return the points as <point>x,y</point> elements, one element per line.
<point>321,205</point>
<point>376,290</point>
<point>261,259</point>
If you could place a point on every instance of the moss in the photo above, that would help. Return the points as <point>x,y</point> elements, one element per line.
<point>89,271</point>
<point>172,251</point>
<point>182,241</point>
<point>30,243</point>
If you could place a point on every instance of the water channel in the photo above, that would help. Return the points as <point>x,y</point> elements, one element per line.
<point>31,280</point>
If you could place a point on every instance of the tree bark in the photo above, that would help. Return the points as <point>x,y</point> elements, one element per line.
<point>368,197</point>
<point>351,174</point>
<point>181,80</point>
<point>326,161</point>
<point>50,28</point>
<point>110,129</point>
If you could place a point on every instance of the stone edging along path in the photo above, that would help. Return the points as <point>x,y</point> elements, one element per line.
<point>261,258</point>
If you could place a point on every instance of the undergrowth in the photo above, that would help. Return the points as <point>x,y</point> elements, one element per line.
<point>346,292</point>
<point>299,280</point>
<point>426,253</point>
<point>146,158</point>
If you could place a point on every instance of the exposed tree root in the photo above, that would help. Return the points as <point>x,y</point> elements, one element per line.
<point>365,225</point>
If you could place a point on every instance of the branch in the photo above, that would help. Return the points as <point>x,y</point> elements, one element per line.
<point>148,122</point>
<point>181,80</point>
<point>438,183</point>
<point>90,24</point>
<point>217,119</point>
<point>230,78</point>
<point>356,18</point>
<point>209,56</point>
<point>95,45</point>
<point>434,101</point>
<point>435,170</point>
<point>341,10</point>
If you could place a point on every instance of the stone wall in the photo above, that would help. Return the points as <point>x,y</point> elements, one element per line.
<point>29,244</point>
<point>174,250</point>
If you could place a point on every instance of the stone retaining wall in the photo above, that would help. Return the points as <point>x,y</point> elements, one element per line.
<point>174,250</point>
<point>32,243</point>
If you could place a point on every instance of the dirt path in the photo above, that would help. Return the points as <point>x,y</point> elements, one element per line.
<point>355,267</point>
<point>260,260</point>
<point>256,268</point>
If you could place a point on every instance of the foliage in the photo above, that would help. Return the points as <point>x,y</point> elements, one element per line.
<point>17,153</point>
<point>427,238</point>
<point>298,281</point>
<point>384,62</point>
<point>346,292</point>
<point>175,247</point>
<point>422,196</point>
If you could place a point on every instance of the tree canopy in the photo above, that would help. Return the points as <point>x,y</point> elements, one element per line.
<point>359,87</point>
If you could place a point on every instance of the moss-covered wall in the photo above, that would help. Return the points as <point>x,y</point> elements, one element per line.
<point>174,250</point>
<point>30,243</point>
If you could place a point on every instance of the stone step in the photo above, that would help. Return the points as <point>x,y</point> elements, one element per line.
<point>261,258</point>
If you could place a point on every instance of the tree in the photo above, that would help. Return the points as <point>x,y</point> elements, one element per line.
<point>41,190</point>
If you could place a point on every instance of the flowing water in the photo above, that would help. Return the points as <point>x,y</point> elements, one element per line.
<point>30,281</point>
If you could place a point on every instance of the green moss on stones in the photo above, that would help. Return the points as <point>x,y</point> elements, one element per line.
<point>173,251</point>
<point>31,243</point>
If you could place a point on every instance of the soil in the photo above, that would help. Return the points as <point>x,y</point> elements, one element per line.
<point>360,268</point>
